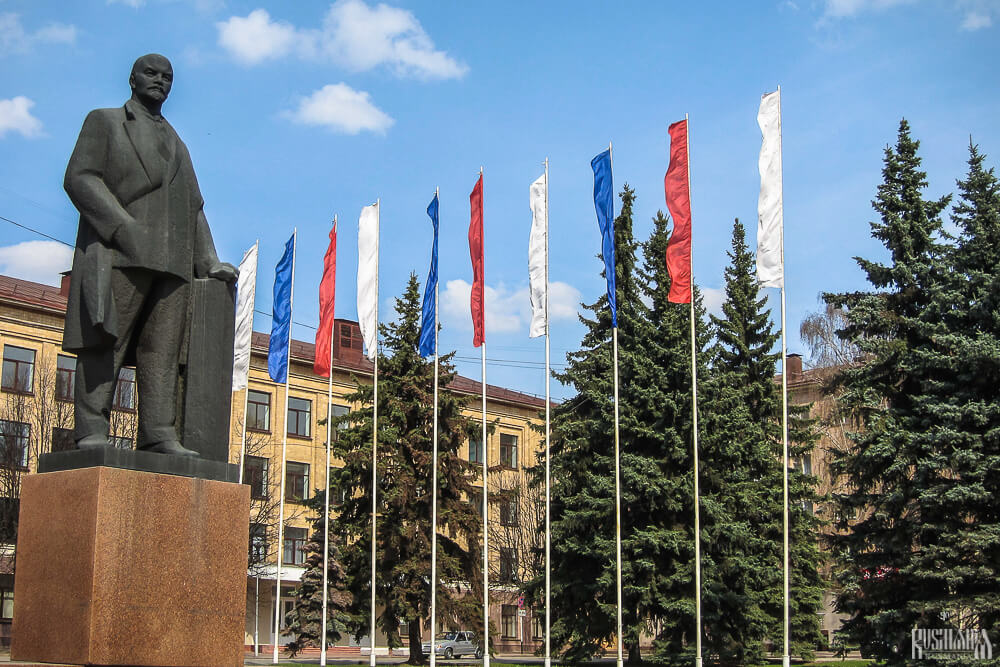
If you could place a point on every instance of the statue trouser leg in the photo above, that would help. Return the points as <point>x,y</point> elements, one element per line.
<point>152,309</point>
<point>158,336</point>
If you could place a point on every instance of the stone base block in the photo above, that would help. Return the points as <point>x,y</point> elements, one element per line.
<point>122,567</point>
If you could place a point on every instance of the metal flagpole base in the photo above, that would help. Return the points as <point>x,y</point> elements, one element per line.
<point>371,659</point>
<point>322,657</point>
<point>618,662</point>
<point>785,660</point>
<point>548,662</point>
<point>697,662</point>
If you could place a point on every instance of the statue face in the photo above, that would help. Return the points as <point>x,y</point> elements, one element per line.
<point>151,79</point>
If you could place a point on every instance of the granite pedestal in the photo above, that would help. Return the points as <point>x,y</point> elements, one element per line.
<point>125,567</point>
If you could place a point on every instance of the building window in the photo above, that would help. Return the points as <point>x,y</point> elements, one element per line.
<point>804,464</point>
<point>294,552</point>
<point>18,369</point>
<point>508,621</point>
<point>125,390</point>
<point>299,414</point>
<point>6,603</point>
<point>255,474</point>
<point>297,481</point>
<point>475,450</point>
<point>508,451</point>
<point>347,338</point>
<point>120,442</point>
<point>476,498</point>
<point>508,565</point>
<point>62,439</point>
<point>14,438</point>
<point>258,411</point>
<point>258,543</point>
<point>65,377</point>
<point>508,509</point>
<point>537,624</point>
<point>339,411</point>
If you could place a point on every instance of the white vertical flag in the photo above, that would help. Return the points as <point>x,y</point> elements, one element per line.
<point>770,260</point>
<point>536,257</point>
<point>246,286</point>
<point>368,277</point>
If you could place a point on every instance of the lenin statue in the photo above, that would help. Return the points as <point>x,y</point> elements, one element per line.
<point>142,240</point>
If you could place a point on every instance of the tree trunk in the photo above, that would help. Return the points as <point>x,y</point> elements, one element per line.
<point>634,654</point>
<point>417,656</point>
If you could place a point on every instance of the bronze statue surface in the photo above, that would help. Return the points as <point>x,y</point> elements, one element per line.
<point>142,240</point>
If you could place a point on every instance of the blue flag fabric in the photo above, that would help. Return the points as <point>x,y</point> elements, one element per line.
<point>281,315</point>
<point>428,316</point>
<point>604,203</point>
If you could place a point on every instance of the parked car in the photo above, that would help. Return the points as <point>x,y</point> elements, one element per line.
<point>454,644</point>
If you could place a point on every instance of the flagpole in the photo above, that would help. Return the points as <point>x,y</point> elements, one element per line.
<point>548,541</point>
<point>694,425</point>
<point>434,466</point>
<point>485,450</point>
<point>618,484</point>
<point>246,390</point>
<point>284,452</point>
<point>326,501</point>
<point>785,658</point>
<point>378,220</point>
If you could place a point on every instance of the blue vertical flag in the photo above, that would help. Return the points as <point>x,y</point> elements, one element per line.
<point>428,317</point>
<point>281,315</point>
<point>604,203</point>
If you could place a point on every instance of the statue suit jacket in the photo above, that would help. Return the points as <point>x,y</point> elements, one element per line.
<point>140,207</point>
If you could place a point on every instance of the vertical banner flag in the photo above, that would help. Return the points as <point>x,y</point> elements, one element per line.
<point>429,313</point>
<point>536,257</point>
<point>246,286</point>
<point>770,264</point>
<point>368,278</point>
<point>327,294</point>
<point>476,250</point>
<point>603,202</point>
<point>281,315</point>
<point>678,193</point>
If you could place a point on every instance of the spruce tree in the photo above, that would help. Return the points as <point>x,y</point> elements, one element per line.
<point>958,554</point>
<point>404,468</point>
<point>890,464</point>
<point>306,617</point>
<point>665,384</point>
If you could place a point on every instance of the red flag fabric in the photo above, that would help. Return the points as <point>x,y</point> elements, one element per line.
<point>678,193</point>
<point>478,300</point>
<point>327,291</point>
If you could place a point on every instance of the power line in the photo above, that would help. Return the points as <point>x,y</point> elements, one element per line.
<point>35,231</point>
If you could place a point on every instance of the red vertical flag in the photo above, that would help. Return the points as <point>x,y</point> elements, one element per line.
<point>477,299</point>
<point>678,192</point>
<point>327,291</point>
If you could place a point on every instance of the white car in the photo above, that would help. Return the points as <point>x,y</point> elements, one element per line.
<point>454,644</point>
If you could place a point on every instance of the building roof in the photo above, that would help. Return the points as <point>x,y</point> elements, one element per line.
<point>36,295</point>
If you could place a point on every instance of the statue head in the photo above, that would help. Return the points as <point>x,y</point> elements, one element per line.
<point>150,80</point>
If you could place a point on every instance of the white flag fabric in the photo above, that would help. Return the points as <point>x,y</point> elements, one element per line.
<point>770,208</point>
<point>246,286</point>
<point>536,257</point>
<point>368,277</point>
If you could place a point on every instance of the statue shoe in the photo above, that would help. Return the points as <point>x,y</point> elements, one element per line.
<point>170,447</point>
<point>93,441</point>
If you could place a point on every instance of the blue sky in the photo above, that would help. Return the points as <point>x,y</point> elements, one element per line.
<point>294,112</point>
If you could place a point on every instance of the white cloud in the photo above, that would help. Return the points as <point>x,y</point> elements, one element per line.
<point>37,261</point>
<point>15,116</point>
<point>507,310</point>
<point>340,108</point>
<point>15,39</point>
<point>976,20</point>
<point>713,298</point>
<point>846,8</point>
<point>256,38</point>
<point>353,34</point>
